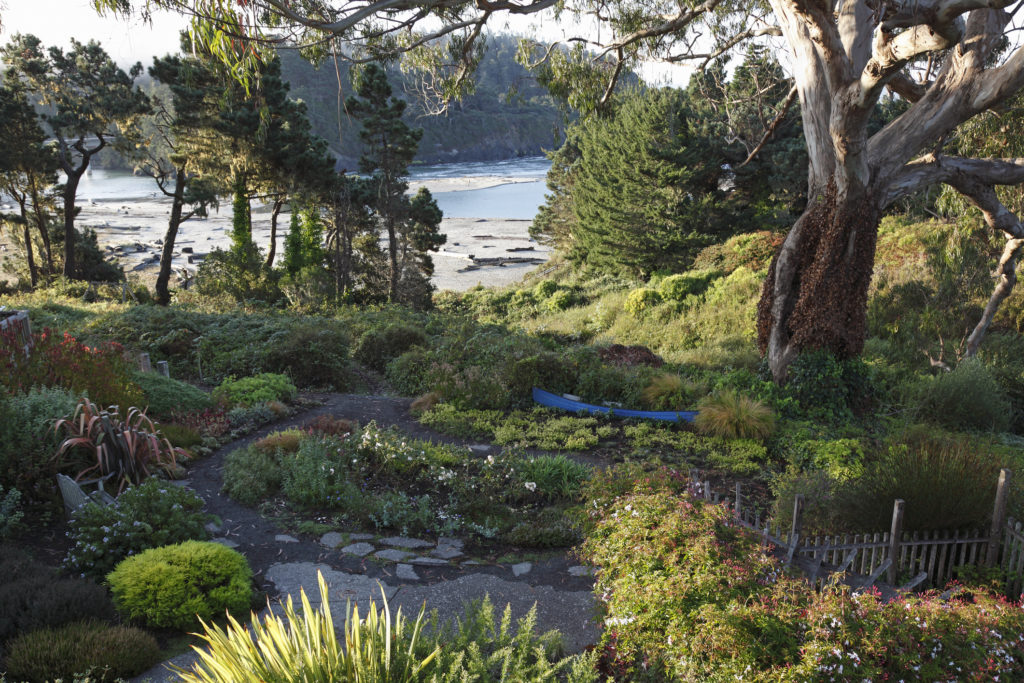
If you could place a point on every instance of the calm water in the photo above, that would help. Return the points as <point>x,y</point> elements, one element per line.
<point>517,200</point>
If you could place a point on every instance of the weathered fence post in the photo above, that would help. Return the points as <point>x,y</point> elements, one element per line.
<point>707,490</point>
<point>736,507</point>
<point>144,363</point>
<point>798,516</point>
<point>163,368</point>
<point>998,518</point>
<point>895,536</point>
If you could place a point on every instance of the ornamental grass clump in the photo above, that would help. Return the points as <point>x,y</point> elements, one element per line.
<point>733,416</point>
<point>304,647</point>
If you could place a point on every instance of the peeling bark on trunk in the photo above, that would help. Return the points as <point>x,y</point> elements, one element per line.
<point>815,296</point>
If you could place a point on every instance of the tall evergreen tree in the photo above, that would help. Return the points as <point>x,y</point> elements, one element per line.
<point>390,146</point>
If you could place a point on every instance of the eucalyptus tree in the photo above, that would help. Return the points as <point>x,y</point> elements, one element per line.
<point>92,104</point>
<point>951,60</point>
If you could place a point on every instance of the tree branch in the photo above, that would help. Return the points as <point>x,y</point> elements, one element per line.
<point>790,98</point>
<point>959,172</point>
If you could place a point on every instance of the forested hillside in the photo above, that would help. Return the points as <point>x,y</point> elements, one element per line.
<point>508,114</point>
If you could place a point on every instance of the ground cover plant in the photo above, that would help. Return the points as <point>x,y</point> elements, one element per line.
<point>386,480</point>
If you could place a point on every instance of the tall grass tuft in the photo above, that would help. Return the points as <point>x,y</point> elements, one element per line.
<point>667,391</point>
<point>734,416</point>
<point>377,649</point>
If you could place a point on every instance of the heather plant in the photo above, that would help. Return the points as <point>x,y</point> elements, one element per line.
<point>130,449</point>
<point>171,586</point>
<point>164,395</point>
<point>969,398</point>
<point>152,514</point>
<point>641,301</point>
<point>250,391</point>
<point>286,441</point>
<point>731,415</point>
<point>252,475</point>
<point>61,653</point>
<point>27,439</point>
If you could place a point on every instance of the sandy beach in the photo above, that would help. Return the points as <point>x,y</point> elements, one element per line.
<point>478,250</point>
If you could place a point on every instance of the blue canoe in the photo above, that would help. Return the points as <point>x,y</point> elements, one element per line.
<point>546,398</point>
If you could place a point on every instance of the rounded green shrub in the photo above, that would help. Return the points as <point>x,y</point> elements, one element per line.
<point>377,347</point>
<point>248,391</point>
<point>407,372</point>
<point>678,287</point>
<point>545,288</point>
<point>252,475</point>
<point>165,395</point>
<point>969,399</point>
<point>642,300</point>
<point>28,441</point>
<point>169,587</point>
<point>60,653</point>
<point>312,352</point>
<point>561,300</point>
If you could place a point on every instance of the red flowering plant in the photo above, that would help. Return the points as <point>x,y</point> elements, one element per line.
<point>101,371</point>
<point>688,595</point>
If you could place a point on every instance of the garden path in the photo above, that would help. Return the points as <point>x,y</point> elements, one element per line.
<point>357,567</point>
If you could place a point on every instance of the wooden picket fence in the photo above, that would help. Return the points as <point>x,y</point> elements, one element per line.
<point>918,559</point>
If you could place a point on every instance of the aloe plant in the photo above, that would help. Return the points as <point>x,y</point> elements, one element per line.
<point>131,449</point>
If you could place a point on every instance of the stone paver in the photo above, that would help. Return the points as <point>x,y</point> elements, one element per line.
<point>521,568</point>
<point>342,586</point>
<point>445,541</point>
<point>393,555</point>
<point>428,561</point>
<point>360,549</point>
<point>405,572</point>
<point>580,570</point>
<point>446,553</point>
<point>225,542</point>
<point>332,539</point>
<point>213,527</point>
<point>285,538</point>
<point>403,542</point>
<point>361,537</point>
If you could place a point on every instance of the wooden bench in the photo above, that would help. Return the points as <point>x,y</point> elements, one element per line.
<point>75,496</point>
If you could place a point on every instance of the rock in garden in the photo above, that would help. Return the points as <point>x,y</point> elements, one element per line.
<point>403,542</point>
<point>406,573</point>
<point>392,555</point>
<point>332,539</point>
<point>360,549</point>
<point>521,568</point>
<point>285,538</point>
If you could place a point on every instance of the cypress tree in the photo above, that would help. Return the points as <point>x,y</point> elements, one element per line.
<point>241,219</point>
<point>293,248</point>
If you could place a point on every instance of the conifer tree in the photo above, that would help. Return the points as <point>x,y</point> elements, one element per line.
<point>294,255</point>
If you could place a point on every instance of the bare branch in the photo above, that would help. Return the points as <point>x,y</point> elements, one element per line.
<point>907,88</point>
<point>790,98</point>
<point>959,172</point>
<point>732,42</point>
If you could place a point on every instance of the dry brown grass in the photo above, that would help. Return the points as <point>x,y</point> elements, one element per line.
<point>734,416</point>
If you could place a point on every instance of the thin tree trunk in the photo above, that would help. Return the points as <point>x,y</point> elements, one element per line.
<point>393,263</point>
<point>272,251</point>
<point>27,236</point>
<point>163,294</point>
<point>70,192</point>
<point>37,209</point>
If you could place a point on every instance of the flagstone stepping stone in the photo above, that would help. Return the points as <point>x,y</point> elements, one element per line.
<point>521,568</point>
<point>332,539</point>
<point>360,549</point>
<point>289,577</point>
<point>428,561</point>
<point>213,527</point>
<point>224,542</point>
<point>392,555</point>
<point>471,563</point>
<point>403,542</point>
<point>360,537</point>
<point>285,538</point>
<point>406,573</point>
<point>446,553</point>
<point>449,542</point>
<point>580,570</point>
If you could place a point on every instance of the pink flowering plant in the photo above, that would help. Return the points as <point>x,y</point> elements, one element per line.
<point>689,595</point>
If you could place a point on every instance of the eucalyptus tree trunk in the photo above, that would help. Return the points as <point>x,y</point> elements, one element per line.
<point>815,296</point>
<point>163,278</point>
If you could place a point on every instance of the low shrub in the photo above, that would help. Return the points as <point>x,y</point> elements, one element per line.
<point>544,289</point>
<point>469,424</point>
<point>28,441</point>
<point>250,391</point>
<point>425,403</point>
<point>539,429</point>
<point>969,399</point>
<point>561,300</point>
<point>251,475</point>
<point>694,282</point>
<point>164,396</point>
<point>212,422</point>
<point>180,436</point>
<point>407,373</point>
<point>316,475</point>
<point>553,477</point>
<point>733,416</point>
<point>170,586</point>
<point>379,346</point>
<point>286,441</point>
<point>152,514</point>
<point>828,388</point>
<point>689,595</point>
<point>551,528</point>
<point>667,391</point>
<point>33,596</point>
<point>331,425</point>
<point>322,357</point>
<point>61,653</point>
<point>11,513</point>
<point>641,301</point>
